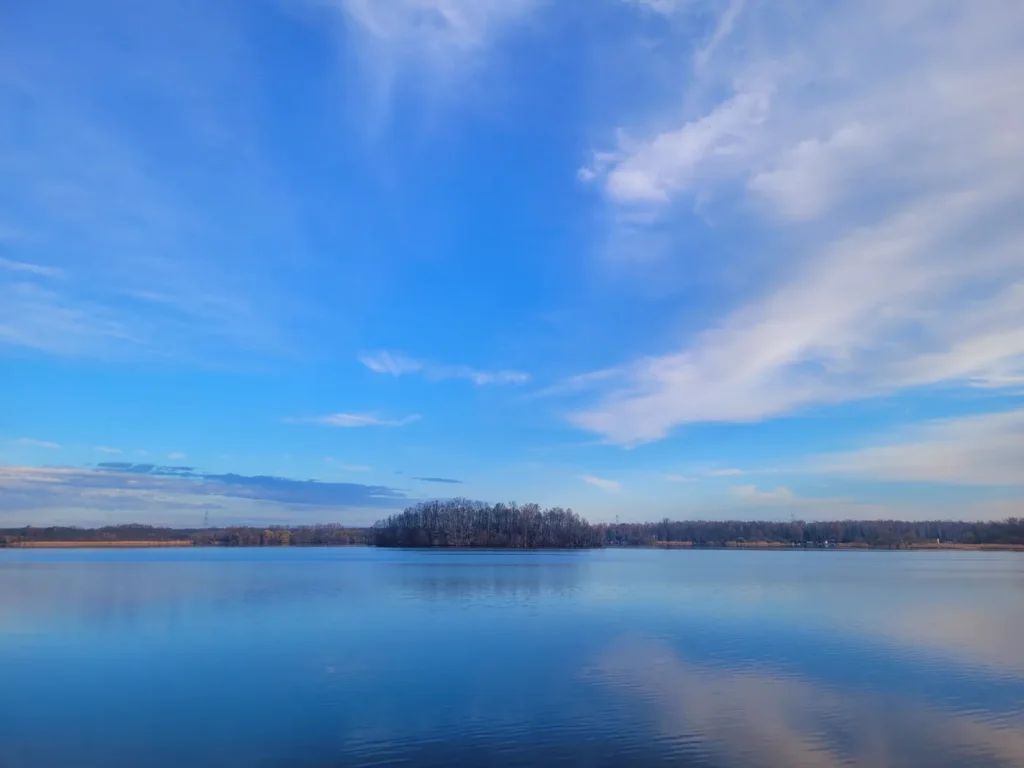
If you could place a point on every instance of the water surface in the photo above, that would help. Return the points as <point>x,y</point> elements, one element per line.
<point>357,657</point>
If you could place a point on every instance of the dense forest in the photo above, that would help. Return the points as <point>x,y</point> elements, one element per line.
<point>235,536</point>
<point>303,536</point>
<point>464,523</point>
<point>871,533</point>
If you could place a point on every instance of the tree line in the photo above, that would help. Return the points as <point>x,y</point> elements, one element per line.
<point>871,533</point>
<point>465,523</point>
<point>233,536</point>
<point>276,536</point>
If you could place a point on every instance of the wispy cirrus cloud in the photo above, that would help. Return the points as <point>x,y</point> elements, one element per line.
<point>887,189</point>
<point>985,449</point>
<point>438,35</point>
<point>53,321</point>
<point>397,364</point>
<point>674,478</point>
<point>352,420</point>
<point>779,495</point>
<point>32,442</point>
<point>780,500</point>
<point>347,467</point>
<point>131,492</point>
<point>25,267</point>
<point>602,483</point>
<point>107,449</point>
<point>163,217</point>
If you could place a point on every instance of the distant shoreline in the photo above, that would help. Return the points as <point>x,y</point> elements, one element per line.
<point>100,544</point>
<point>779,545</point>
<point>466,525</point>
<point>673,545</point>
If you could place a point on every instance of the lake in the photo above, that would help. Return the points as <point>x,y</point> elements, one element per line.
<point>359,657</point>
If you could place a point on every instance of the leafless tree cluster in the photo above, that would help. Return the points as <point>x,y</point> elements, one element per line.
<point>465,523</point>
<point>871,533</point>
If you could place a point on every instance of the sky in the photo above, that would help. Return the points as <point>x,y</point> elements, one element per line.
<point>300,261</point>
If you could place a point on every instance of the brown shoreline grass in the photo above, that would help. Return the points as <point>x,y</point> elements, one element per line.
<point>973,547</point>
<point>672,544</point>
<point>852,545</point>
<point>98,544</point>
<point>655,545</point>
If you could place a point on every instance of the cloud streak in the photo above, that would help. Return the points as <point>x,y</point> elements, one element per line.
<point>395,364</point>
<point>126,492</point>
<point>79,278</point>
<point>890,188</point>
<point>602,483</point>
<point>31,442</point>
<point>435,35</point>
<point>354,420</point>
<point>780,495</point>
<point>348,467</point>
<point>986,449</point>
<point>31,269</point>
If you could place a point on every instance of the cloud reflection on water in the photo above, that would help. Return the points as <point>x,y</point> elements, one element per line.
<point>756,717</point>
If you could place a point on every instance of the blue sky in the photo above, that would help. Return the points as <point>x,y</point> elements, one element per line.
<point>294,261</point>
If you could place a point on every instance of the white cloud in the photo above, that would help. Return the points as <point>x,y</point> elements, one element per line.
<point>780,495</point>
<point>879,149</point>
<point>783,499</point>
<point>396,364</point>
<point>390,363</point>
<point>33,269</point>
<point>666,7</point>
<point>436,39</point>
<point>970,450</point>
<point>674,161</point>
<point>602,483</point>
<point>723,28</point>
<point>31,442</point>
<point>176,455</point>
<point>672,478</point>
<point>116,208</point>
<point>434,27</point>
<point>358,420</point>
<point>40,318</point>
<point>729,472</point>
<point>348,467</point>
<point>810,177</point>
<point>106,449</point>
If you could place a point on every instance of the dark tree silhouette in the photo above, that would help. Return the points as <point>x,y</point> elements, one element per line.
<point>871,533</point>
<point>465,523</point>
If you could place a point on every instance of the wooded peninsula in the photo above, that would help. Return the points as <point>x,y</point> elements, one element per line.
<point>463,523</point>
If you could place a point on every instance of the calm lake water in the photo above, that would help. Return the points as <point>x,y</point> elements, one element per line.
<point>352,657</point>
